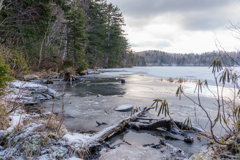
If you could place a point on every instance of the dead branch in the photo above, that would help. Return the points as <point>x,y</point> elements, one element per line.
<point>96,140</point>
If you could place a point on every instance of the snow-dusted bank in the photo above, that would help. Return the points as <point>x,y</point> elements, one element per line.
<point>32,137</point>
<point>36,136</point>
<point>29,93</point>
<point>41,136</point>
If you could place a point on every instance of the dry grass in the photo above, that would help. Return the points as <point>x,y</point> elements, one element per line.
<point>72,70</point>
<point>4,122</point>
<point>45,73</point>
<point>48,123</point>
<point>170,79</point>
<point>181,80</point>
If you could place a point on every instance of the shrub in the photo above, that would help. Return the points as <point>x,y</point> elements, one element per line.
<point>170,79</point>
<point>228,108</point>
<point>181,80</point>
<point>4,75</point>
<point>16,62</point>
<point>4,122</point>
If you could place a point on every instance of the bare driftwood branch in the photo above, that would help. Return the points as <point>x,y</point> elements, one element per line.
<point>96,140</point>
<point>165,123</point>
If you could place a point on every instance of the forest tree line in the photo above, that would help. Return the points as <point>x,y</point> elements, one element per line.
<point>57,34</point>
<point>160,58</point>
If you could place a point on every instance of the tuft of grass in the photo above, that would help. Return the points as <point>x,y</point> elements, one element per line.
<point>181,80</point>
<point>170,79</point>
<point>4,122</point>
<point>72,70</point>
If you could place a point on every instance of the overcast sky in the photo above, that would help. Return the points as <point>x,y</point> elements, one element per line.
<point>180,26</point>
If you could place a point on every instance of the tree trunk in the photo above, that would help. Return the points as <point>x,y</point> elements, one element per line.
<point>1,4</point>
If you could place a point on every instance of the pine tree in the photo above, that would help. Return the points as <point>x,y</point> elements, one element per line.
<point>96,32</point>
<point>4,74</point>
<point>76,38</point>
<point>106,39</point>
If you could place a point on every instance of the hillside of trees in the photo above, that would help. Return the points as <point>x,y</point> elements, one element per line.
<point>160,58</point>
<point>57,34</point>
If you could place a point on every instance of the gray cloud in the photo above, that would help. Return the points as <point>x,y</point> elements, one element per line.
<point>190,14</point>
<point>148,8</point>
<point>204,22</point>
<point>179,25</point>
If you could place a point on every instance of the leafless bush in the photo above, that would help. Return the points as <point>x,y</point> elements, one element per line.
<point>170,79</point>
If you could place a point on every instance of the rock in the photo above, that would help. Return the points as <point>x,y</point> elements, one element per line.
<point>188,139</point>
<point>48,82</point>
<point>30,77</point>
<point>69,116</point>
<point>67,76</point>
<point>125,107</point>
<point>99,124</point>
<point>61,75</point>
<point>83,72</point>
<point>74,78</point>
<point>123,81</point>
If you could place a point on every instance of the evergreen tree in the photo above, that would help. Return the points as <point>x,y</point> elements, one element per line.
<point>96,31</point>
<point>115,38</point>
<point>76,38</point>
<point>106,39</point>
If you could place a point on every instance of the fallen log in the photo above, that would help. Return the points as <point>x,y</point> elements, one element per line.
<point>171,126</point>
<point>164,123</point>
<point>98,138</point>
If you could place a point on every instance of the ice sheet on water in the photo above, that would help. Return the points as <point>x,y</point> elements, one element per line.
<point>124,107</point>
<point>189,88</point>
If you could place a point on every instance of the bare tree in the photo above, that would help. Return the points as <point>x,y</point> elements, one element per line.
<point>1,4</point>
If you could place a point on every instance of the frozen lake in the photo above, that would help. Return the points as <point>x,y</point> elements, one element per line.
<point>96,98</point>
<point>190,73</point>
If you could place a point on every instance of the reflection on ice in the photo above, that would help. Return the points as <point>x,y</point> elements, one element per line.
<point>189,88</point>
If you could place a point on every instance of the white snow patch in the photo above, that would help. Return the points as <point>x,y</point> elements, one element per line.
<point>23,84</point>
<point>75,158</point>
<point>51,91</point>
<point>15,121</point>
<point>43,157</point>
<point>76,138</point>
<point>31,127</point>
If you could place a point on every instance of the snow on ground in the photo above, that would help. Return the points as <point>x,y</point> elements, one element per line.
<point>29,134</point>
<point>74,158</point>
<point>15,120</point>
<point>32,86</point>
<point>76,138</point>
<point>23,84</point>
